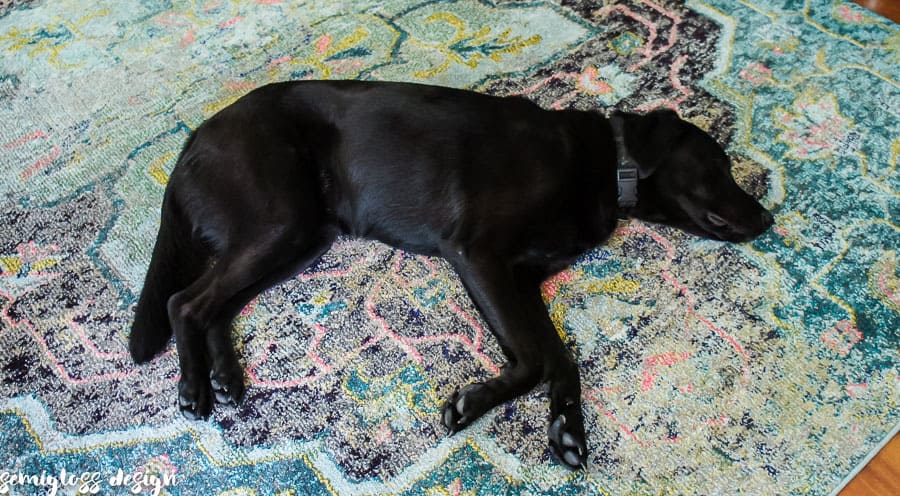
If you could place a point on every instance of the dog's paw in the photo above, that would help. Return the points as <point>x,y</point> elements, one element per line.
<point>464,407</point>
<point>567,440</point>
<point>144,344</point>
<point>194,399</point>
<point>227,386</point>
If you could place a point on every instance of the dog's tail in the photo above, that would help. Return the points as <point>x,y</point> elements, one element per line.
<point>177,261</point>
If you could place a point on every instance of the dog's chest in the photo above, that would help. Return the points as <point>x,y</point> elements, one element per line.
<point>552,261</point>
<point>558,247</point>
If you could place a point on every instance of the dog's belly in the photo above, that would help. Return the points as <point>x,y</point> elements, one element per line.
<point>411,241</point>
<point>398,215</point>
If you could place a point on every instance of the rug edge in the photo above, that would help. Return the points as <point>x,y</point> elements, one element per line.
<point>865,461</point>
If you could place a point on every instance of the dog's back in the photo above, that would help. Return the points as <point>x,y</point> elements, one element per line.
<point>407,164</point>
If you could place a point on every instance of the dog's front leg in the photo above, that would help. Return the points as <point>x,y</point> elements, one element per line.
<point>566,433</point>
<point>518,318</point>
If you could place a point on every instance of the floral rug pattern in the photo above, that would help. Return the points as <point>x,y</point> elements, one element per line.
<point>708,368</point>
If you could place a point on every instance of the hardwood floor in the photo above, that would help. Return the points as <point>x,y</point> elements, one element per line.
<point>882,475</point>
<point>887,8</point>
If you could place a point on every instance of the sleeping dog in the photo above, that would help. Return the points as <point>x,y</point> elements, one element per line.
<point>507,192</point>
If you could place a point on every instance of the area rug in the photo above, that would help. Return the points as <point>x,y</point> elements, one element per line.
<point>708,368</point>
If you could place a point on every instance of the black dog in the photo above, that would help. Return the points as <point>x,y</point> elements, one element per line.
<point>507,192</point>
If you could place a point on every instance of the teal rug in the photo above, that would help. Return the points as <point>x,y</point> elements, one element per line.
<point>708,368</point>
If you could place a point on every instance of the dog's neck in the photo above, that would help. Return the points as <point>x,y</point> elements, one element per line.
<point>626,167</point>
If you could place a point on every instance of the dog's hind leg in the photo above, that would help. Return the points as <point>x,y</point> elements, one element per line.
<point>200,313</point>
<point>518,318</point>
<point>226,374</point>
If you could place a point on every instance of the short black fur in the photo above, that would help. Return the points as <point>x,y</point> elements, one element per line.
<point>507,192</point>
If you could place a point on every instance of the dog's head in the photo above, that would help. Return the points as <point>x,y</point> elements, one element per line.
<point>686,182</point>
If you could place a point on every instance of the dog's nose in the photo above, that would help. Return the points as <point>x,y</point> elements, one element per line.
<point>767,219</point>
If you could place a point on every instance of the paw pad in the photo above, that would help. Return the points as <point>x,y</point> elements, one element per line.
<point>567,442</point>
<point>458,411</point>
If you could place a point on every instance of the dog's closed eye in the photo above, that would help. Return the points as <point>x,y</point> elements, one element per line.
<point>716,220</point>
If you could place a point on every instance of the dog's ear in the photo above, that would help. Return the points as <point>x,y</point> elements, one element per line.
<point>652,136</point>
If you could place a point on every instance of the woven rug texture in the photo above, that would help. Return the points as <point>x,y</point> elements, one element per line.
<point>708,368</point>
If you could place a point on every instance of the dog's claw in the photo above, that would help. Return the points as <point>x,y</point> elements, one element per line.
<point>191,413</point>
<point>192,410</point>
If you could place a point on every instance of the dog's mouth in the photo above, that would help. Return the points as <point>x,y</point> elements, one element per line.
<point>736,231</point>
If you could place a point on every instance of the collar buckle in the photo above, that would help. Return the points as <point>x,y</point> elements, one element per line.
<point>627,178</point>
<point>626,168</point>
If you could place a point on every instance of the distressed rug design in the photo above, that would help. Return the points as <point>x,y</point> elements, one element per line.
<point>708,368</point>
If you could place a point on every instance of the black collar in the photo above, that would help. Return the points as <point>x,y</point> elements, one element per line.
<point>626,167</point>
